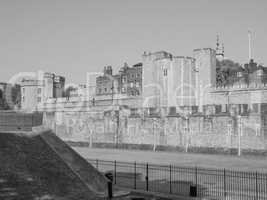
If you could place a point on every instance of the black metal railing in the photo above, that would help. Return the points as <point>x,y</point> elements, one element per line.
<point>187,181</point>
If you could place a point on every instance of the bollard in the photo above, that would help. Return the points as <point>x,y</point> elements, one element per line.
<point>193,191</point>
<point>109,176</point>
<point>110,191</point>
<point>147,177</point>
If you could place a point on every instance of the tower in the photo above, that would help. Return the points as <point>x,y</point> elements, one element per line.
<point>108,70</point>
<point>206,72</point>
<point>48,81</point>
<point>169,81</point>
<point>219,50</point>
<point>155,72</point>
<point>183,81</point>
<point>58,86</point>
<point>249,46</point>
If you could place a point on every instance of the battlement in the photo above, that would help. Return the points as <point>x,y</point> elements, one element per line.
<point>59,79</point>
<point>209,110</point>
<point>49,75</point>
<point>205,49</point>
<point>159,55</point>
<point>31,82</point>
<point>185,58</point>
<point>190,58</point>
<point>251,86</point>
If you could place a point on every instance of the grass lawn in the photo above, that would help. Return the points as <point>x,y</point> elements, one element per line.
<point>243,163</point>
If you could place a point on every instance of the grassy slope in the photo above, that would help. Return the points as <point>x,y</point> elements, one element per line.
<point>32,169</point>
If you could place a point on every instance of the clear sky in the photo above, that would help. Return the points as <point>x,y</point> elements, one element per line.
<point>72,37</point>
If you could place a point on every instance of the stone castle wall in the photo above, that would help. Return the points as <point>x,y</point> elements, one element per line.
<point>217,132</point>
<point>168,80</point>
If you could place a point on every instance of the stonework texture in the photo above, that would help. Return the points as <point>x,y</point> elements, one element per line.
<point>217,132</point>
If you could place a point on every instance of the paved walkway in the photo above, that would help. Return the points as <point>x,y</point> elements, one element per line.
<point>244,163</point>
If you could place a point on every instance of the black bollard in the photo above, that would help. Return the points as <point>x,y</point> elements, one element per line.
<point>110,191</point>
<point>193,191</point>
<point>109,176</point>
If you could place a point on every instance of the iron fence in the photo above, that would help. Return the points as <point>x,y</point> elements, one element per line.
<point>212,183</point>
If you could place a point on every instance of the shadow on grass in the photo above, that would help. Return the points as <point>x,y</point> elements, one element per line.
<point>138,181</point>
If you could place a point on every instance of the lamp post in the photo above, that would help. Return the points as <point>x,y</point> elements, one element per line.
<point>187,133</point>
<point>92,132</point>
<point>116,117</point>
<point>239,134</point>
<point>118,127</point>
<point>154,136</point>
<point>228,93</point>
<point>112,92</point>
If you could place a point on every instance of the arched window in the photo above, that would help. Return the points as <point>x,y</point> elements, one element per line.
<point>165,72</point>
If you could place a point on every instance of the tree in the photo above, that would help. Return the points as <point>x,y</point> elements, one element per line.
<point>226,72</point>
<point>68,91</point>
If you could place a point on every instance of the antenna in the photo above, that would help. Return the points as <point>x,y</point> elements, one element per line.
<point>217,43</point>
<point>249,46</point>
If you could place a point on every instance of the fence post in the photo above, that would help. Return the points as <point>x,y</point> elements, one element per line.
<point>32,120</point>
<point>115,172</point>
<point>147,177</point>
<point>257,193</point>
<point>110,190</point>
<point>96,163</point>
<point>224,182</point>
<point>196,179</point>
<point>170,179</point>
<point>135,175</point>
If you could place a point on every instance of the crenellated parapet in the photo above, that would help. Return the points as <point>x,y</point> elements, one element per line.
<point>241,86</point>
<point>157,55</point>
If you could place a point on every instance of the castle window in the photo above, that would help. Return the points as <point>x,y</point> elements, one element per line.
<point>123,79</point>
<point>131,84</point>
<point>164,72</point>
<point>38,99</point>
<point>1,94</point>
<point>138,75</point>
<point>106,89</point>
<point>123,89</point>
<point>132,75</point>
<point>137,84</point>
<point>39,90</point>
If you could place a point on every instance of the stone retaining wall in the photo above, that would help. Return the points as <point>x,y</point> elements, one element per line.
<point>216,133</point>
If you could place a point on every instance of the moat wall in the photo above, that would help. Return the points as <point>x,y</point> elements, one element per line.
<point>212,134</point>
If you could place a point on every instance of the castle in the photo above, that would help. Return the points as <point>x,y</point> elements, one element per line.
<point>10,96</point>
<point>166,101</point>
<point>160,80</point>
<point>37,90</point>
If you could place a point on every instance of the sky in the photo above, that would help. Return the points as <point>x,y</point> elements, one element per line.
<point>72,37</point>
